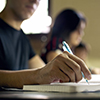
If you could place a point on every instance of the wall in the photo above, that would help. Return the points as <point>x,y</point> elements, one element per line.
<point>91,9</point>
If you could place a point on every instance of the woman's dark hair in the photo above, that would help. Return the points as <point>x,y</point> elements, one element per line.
<point>66,22</point>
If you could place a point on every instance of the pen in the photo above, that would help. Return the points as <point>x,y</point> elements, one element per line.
<point>67,48</point>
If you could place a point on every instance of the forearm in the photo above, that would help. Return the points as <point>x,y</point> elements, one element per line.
<point>17,79</point>
<point>65,67</point>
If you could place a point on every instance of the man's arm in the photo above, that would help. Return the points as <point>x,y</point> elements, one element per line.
<point>16,79</point>
<point>65,67</point>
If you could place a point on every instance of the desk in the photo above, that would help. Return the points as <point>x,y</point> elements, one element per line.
<point>30,95</point>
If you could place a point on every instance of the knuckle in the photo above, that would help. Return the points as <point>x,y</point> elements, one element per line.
<point>60,56</point>
<point>57,61</point>
<point>77,68</point>
<point>81,62</point>
<point>72,73</point>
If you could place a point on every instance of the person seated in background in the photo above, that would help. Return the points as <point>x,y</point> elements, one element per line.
<point>68,26</point>
<point>82,51</point>
<point>17,55</point>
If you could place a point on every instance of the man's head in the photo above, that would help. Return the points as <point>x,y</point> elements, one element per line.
<point>21,9</point>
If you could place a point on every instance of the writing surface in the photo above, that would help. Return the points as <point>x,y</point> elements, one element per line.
<point>82,86</point>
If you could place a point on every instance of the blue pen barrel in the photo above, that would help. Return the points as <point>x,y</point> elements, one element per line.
<point>67,48</point>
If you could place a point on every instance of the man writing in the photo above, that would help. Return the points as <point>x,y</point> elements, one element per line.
<point>16,54</point>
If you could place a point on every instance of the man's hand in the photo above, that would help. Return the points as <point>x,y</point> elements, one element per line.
<point>65,67</point>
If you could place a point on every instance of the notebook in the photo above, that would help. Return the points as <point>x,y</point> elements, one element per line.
<point>71,87</point>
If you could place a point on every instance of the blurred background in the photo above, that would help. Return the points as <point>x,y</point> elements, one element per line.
<point>38,26</point>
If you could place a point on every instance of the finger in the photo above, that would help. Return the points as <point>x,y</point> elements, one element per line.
<point>73,70</point>
<point>59,75</point>
<point>68,71</point>
<point>82,64</point>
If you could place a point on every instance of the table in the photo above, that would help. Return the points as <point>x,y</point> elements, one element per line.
<point>30,95</point>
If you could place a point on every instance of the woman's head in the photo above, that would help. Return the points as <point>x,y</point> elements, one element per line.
<point>69,25</point>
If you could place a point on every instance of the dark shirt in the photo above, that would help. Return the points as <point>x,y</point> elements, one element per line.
<point>15,49</point>
<point>54,44</point>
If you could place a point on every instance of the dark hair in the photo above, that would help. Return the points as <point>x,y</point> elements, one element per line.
<point>66,22</point>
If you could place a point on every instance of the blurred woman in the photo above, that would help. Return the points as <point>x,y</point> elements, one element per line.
<point>68,26</point>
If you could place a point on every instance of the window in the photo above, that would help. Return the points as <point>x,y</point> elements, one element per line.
<point>39,22</point>
<point>2,4</point>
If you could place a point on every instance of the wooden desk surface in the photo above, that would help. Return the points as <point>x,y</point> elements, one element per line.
<point>29,95</point>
